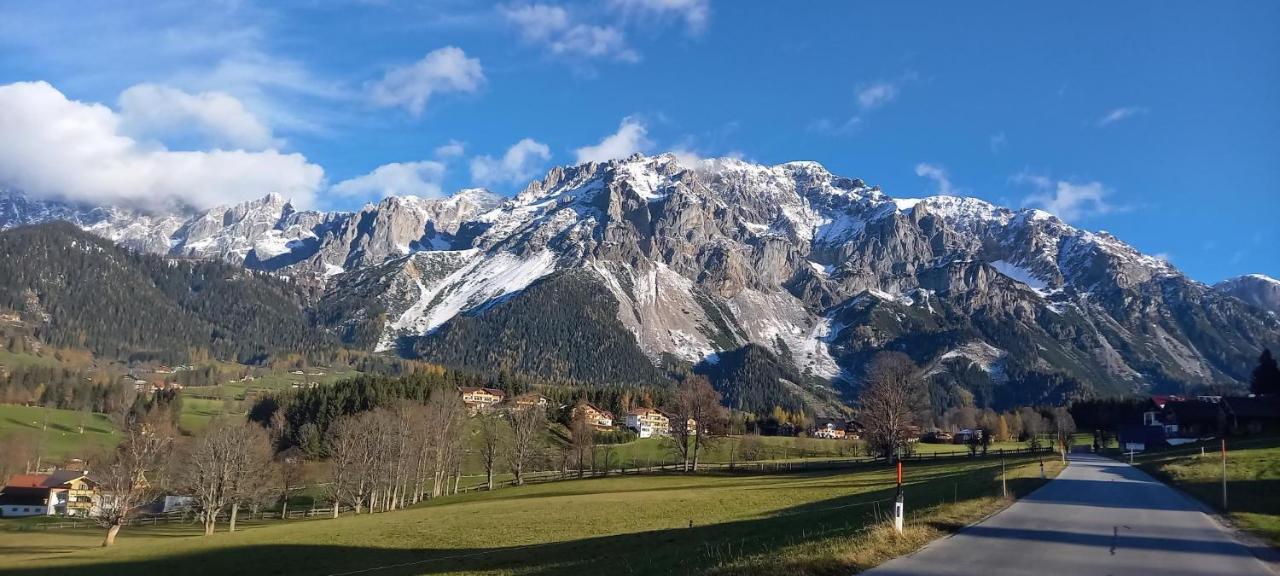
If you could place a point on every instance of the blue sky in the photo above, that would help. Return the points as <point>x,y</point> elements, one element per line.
<point>1157,121</point>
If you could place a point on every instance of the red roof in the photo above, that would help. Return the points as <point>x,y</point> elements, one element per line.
<point>27,481</point>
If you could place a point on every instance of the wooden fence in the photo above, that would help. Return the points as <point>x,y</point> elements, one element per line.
<point>769,467</point>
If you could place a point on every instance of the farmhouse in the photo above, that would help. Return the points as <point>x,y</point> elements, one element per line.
<point>648,422</point>
<point>64,492</point>
<point>480,400</point>
<point>531,399</point>
<point>832,428</point>
<point>598,418</point>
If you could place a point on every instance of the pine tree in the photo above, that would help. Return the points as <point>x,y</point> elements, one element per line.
<point>1266,376</point>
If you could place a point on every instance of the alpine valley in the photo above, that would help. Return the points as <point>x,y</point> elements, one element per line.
<point>779,282</point>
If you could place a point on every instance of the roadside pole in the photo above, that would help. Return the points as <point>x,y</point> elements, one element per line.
<point>1004,482</point>
<point>1224,474</point>
<point>898,510</point>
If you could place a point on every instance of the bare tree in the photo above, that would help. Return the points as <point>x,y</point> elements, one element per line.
<point>527,427</point>
<point>493,432</point>
<point>290,469</point>
<point>347,450</point>
<point>226,467</point>
<point>582,438</point>
<point>16,453</point>
<point>679,436</point>
<point>123,480</point>
<point>251,470</point>
<point>891,395</point>
<point>444,422</point>
<point>696,405</point>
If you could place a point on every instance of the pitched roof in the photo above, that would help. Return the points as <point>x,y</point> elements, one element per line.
<point>45,481</point>
<point>644,412</point>
<point>60,477</point>
<point>473,389</point>
<point>598,410</point>
<point>1189,411</point>
<point>1265,407</point>
<point>27,481</point>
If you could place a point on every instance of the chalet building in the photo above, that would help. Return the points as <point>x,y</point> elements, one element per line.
<point>648,422</point>
<point>531,399</point>
<point>1254,415</point>
<point>1173,420</point>
<point>481,400</point>
<point>63,492</point>
<point>830,428</point>
<point>598,418</point>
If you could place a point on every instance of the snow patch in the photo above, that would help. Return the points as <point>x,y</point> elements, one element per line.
<point>1020,274</point>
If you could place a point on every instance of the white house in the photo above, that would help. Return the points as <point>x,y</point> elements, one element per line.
<point>648,422</point>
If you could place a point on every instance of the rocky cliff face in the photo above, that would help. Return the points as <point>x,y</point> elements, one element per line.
<point>711,256</point>
<point>1256,289</point>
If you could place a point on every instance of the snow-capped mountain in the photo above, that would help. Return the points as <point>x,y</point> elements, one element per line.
<point>1257,289</point>
<point>695,259</point>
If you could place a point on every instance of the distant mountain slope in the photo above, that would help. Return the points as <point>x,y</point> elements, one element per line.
<point>1257,289</point>
<point>81,290</point>
<point>564,326</point>
<point>701,259</point>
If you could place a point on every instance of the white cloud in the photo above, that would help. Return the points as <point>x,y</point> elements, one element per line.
<point>213,118</point>
<point>1068,200</point>
<point>537,22</point>
<point>421,179</point>
<point>589,41</point>
<point>695,13</point>
<point>631,137</point>
<point>443,70</point>
<point>556,30</point>
<point>452,149</point>
<point>877,94</point>
<point>52,147</point>
<point>1119,114</point>
<point>938,174</point>
<point>521,162</point>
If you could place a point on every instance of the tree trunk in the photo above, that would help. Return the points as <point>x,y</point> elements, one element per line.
<point>210,516</point>
<point>235,508</point>
<point>489,477</point>
<point>697,444</point>
<point>111,535</point>
<point>519,471</point>
<point>284,508</point>
<point>336,505</point>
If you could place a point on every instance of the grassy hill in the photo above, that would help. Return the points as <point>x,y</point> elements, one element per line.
<point>1253,480</point>
<point>62,438</point>
<point>810,523</point>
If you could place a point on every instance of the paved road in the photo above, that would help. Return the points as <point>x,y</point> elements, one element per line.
<point>1099,517</point>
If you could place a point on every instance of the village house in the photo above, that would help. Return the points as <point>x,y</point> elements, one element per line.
<point>830,428</point>
<point>481,400</point>
<point>598,418</point>
<point>63,492</point>
<point>648,422</point>
<point>531,399</point>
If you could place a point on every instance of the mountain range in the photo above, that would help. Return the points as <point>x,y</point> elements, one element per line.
<point>779,281</point>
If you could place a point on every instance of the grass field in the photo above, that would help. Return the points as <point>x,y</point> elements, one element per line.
<point>1253,480</point>
<point>803,523</point>
<point>62,438</point>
